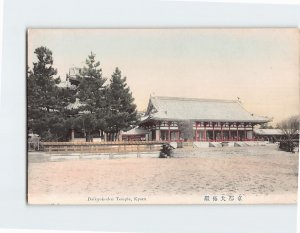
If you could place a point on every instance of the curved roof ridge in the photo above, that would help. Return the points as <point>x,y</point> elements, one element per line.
<point>178,108</point>
<point>252,114</point>
<point>193,99</point>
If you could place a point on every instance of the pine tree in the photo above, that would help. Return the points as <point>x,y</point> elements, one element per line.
<point>122,113</point>
<point>46,101</point>
<point>91,94</point>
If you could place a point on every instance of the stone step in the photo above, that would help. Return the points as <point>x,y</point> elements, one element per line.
<point>228,144</point>
<point>251,143</point>
<point>215,144</point>
<point>173,144</point>
<point>201,144</point>
<point>240,144</point>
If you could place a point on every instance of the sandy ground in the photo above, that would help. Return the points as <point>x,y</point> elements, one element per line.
<point>196,176</point>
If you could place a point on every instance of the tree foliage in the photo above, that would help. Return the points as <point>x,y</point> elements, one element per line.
<point>91,94</point>
<point>122,113</point>
<point>46,101</point>
<point>106,107</point>
<point>91,88</point>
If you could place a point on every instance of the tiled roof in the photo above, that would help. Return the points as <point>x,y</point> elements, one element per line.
<point>135,131</point>
<point>268,132</point>
<point>176,108</point>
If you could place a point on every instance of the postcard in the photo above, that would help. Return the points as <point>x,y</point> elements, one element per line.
<point>162,116</point>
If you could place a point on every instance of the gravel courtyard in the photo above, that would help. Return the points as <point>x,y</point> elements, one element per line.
<point>227,175</point>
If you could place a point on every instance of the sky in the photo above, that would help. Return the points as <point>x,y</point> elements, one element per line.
<point>260,66</point>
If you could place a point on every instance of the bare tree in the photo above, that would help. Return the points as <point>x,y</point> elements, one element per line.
<point>290,128</point>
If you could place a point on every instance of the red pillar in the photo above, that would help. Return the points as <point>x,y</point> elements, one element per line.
<point>229,133</point>
<point>237,132</point>
<point>245,132</point>
<point>213,131</point>
<point>204,136</point>
<point>169,132</point>
<point>196,134</point>
<point>222,132</point>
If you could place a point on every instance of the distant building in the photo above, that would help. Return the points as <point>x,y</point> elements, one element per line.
<point>271,135</point>
<point>210,120</point>
<point>136,134</point>
<point>72,76</point>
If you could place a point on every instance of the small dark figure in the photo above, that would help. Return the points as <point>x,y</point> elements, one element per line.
<point>166,151</point>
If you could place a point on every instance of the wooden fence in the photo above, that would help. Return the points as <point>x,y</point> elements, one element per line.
<point>101,147</point>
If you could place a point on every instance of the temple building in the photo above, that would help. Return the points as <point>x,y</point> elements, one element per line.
<point>191,119</point>
<point>135,134</point>
<point>71,77</point>
<point>271,135</point>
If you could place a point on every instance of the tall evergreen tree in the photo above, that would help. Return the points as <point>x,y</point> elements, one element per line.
<point>122,110</point>
<point>91,94</point>
<point>46,101</point>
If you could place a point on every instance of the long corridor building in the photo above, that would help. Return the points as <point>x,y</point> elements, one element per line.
<point>177,119</point>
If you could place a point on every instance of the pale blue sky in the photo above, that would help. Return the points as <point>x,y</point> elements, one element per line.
<point>261,66</point>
